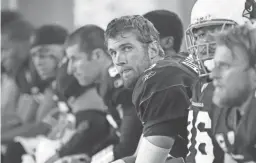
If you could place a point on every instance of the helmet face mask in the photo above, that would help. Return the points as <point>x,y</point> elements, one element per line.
<point>207,17</point>
<point>200,43</point>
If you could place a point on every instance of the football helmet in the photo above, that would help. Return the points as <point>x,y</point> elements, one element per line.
<point>209,16</point>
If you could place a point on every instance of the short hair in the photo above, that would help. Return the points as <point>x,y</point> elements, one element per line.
<point>88,38</point>
<point>8,16</point>
<point>168,24</point>
<point>145,29</point>
<point>243,36</point>
<point>19,30</point>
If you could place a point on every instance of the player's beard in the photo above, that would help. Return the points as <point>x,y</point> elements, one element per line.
<point>231,99</point>
<point>136,73</point>
<point>130,84</point>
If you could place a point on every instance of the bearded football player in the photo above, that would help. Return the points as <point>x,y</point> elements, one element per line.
<point>234,79</point>
<point>207,17</point>
<point>161,87</point>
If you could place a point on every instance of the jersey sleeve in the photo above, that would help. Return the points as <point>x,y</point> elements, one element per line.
<point>162,95</point>
<point>165,107</point>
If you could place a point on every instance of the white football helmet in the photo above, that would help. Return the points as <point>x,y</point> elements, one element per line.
<point>214,15</point>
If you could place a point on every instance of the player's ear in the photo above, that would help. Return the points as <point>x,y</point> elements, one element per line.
<point>167,42</point>
<point>97,54</point>
<point>153,50</point>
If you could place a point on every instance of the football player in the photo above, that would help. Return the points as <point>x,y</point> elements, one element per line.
<point>206,18</point>
<point>77,106</point>
<point>234,79</point>
<point>15,48</point>
<point>170,29</point>
<point>46,52</point>
<point>161,87</point>
<point>89,62</point>
<point>35,78</point>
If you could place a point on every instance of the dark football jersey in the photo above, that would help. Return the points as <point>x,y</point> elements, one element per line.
<point>236,133</point>
<point>201,143</point>
<point>161,96</point>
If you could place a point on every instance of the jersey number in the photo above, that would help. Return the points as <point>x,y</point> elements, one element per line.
<point>201,138</point>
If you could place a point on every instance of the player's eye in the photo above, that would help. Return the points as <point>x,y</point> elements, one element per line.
<point>201,35</point>
<point>127,48</point>
<point>112,53</point>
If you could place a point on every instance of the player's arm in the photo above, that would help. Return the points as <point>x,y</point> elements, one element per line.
<point>154,149</point>
<point>165,118</point>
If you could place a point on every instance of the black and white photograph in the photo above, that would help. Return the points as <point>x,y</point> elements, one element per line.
<point>128,81</point>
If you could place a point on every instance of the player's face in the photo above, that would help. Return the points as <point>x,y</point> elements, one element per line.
<point>45,63</point>
<point>83,69</point>
<point>205,43</point>
<point>130,57</point>
<point>231,77</point>
<point>10,52</point>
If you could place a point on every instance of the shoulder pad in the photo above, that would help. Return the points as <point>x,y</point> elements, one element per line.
<point>160,78</point>
<point>164,76</point>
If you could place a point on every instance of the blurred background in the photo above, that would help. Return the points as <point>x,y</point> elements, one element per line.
<point>75,13</point>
